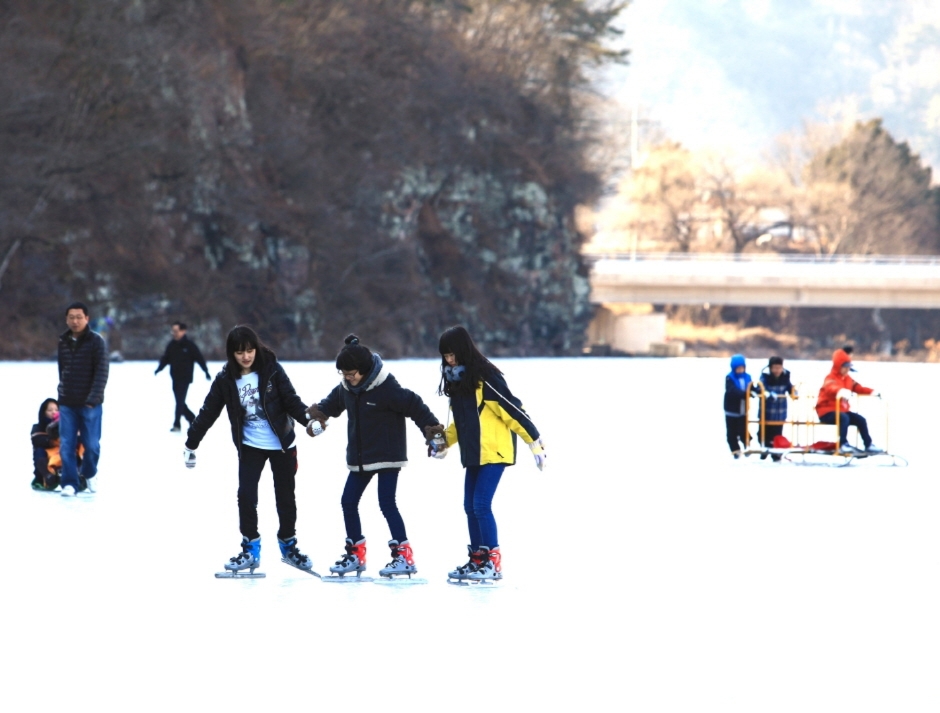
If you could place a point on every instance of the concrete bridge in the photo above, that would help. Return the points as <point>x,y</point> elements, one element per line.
<point>752,280</point>
<point>758,280</point>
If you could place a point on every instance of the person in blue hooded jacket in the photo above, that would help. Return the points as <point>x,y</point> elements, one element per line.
<point>738,388</point>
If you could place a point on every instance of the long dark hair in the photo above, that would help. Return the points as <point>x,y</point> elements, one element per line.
<point>457,341</point>
<point>354,356</point>
<point>241,339</point>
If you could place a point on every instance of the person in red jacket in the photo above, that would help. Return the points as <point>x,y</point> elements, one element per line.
<point>834,394</point>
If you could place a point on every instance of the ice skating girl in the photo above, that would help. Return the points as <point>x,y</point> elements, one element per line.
<point>376,406</point>
<point>262,406</point>
<point>487,419</point>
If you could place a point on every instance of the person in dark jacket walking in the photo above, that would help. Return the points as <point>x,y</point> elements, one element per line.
<point>181,354</point>
<point>83,375</point>
<point>262,406</point>
<point>376,406</point>
<point>487,419</point>
<point>777,387</point>
<point>738,388</point>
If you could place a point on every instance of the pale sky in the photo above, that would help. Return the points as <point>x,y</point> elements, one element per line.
<point>730,75</point>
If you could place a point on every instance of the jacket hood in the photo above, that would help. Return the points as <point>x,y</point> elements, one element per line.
<point>375,378</point>
<point>43,419</point>
<point>737,360</point>
<point>839,357</point>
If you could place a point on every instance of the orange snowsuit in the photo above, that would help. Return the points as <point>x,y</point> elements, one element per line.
<point>826,401</point>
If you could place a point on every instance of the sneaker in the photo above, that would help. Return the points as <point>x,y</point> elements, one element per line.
<point>873,450</point>
<point>736,454</point>
<point>68,491</point>
<point>90,485</point>
<point>175,429</point>
<point>847,449</point>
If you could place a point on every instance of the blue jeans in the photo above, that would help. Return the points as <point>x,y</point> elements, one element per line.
<point>79,424</point>
<point>356,484</point>
<point>847,419</point>
<point>479,487</point>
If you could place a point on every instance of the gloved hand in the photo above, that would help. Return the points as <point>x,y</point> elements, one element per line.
<point>538,450</point>
<point>772,394</point>
<point>189,458</point>
<point>844,394</point>
<point>435,440</point>
<point>877,395</point>
<point>315,428</point>
<point>52,430</point>
<point>156,371</point>
<point>440,453</point>
<point>208,376</point>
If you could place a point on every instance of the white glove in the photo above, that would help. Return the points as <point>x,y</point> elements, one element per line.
<point>538,450</point>
<point>189,458</point>
<point>315,428</point>
<point>771,394</point>
<point>440,453</point>
<point>844,394</point>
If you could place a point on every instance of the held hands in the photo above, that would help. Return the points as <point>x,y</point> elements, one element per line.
<point>189,458</point>
<point>437,443</point>
<point>538,450</point>
<point>317,423</point>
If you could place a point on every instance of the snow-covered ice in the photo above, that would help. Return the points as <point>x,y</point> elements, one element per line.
<point>645,569</point>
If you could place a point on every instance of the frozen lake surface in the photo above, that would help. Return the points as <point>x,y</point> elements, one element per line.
<point>645,569</point>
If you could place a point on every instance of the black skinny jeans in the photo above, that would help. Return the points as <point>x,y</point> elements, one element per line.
<point>356,484</point>
<point>284,468</point>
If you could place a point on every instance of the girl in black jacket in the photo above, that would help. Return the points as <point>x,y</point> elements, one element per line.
<point>376,407</point>
<point>262,406</point>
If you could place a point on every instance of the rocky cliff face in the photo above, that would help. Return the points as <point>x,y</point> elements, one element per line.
<point>310,168</point>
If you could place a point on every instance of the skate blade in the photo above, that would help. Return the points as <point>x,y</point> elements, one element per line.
<point>347,579</point>
<point>308,571</point>
<point>240,575</point>
<point>473,582</point>
<point>400,580</point>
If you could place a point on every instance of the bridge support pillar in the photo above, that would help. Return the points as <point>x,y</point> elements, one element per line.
<point>627,331</point>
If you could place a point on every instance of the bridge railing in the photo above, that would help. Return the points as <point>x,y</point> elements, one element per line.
<point>764,258</point>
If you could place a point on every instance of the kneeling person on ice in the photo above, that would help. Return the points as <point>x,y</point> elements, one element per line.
<point>376,406</point>
<point>262,407</point>
<point>834,394</point>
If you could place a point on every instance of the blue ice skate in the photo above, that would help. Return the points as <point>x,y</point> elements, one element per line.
<point>249,558</point>
<point>292,556</point>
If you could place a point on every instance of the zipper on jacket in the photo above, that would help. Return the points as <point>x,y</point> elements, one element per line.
<point>264,408</point>
<point>358,434</point>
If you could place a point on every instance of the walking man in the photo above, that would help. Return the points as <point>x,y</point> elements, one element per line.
<point>83,374</point>
<point>181,353</point>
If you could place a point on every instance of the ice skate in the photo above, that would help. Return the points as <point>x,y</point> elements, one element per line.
<point>403,561</point>
<point>248,559</point>
<point>490,567</point>
<point>292,556</point>
<point>353,561</point>
<point>461,572</point>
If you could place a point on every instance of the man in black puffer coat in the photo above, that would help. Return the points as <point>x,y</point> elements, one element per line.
<point>182,355</point>
<point>83,375</point>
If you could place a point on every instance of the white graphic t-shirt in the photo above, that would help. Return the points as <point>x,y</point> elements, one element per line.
<point>257,432</point>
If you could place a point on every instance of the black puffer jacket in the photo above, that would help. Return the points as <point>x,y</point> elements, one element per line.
<point>279,400</point>
<point>377,411</point>
<point>181,354</point>
<point>83,369</point>
<point>41,434</point>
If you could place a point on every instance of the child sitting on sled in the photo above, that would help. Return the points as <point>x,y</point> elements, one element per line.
<point>47,462</point>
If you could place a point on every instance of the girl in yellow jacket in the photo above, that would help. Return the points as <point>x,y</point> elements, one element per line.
<point>486,420</point>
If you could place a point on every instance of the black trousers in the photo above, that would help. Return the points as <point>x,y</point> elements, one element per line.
<point>847,419</point>
<point>769,433</point>
<point>179,391</point>
<point>284,468</point>
<point>736,429</point>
